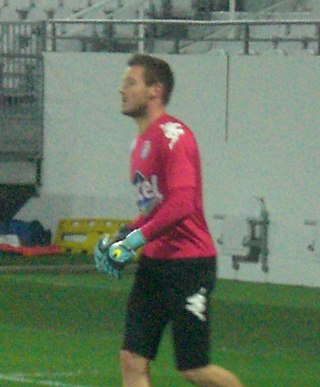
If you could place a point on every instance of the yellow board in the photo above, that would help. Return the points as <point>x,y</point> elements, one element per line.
<point>80,235</point>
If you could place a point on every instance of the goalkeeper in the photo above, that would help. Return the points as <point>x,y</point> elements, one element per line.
<point>177,268</point>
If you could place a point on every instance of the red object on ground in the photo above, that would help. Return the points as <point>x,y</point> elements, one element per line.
<point>31,250</point>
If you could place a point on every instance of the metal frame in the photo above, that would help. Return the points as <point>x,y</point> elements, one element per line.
<point>142,25</point>
<point>256,239</point>
<point>21,90</point>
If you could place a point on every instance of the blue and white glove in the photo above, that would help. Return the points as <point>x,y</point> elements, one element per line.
<point>122,252</point>
<point>112,258</point>
<point>102,260</point>
<point>101,252</point>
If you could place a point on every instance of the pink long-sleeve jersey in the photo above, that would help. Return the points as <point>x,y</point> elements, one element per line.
<point>166,172</point>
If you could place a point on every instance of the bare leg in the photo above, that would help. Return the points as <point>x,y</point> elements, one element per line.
<point>135,370</point>
<point>211,376</point>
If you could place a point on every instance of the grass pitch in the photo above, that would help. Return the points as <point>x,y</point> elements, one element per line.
<point>66,330</point>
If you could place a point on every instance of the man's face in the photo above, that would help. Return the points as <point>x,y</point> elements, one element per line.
<point>135,94</point>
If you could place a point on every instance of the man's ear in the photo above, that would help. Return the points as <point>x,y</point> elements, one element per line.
<point>156,91</point>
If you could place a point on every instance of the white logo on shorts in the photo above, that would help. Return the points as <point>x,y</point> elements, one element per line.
<point>197,304</point>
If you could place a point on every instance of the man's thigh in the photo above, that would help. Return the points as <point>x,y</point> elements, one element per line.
<point>146,315</point>
<point>191,319</point>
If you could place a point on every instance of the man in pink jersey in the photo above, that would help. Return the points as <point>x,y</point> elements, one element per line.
<point>177,269</point>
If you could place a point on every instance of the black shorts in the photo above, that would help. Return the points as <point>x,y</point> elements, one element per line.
<point>177,292</point>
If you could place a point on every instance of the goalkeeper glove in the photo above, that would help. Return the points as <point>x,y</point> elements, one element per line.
<point>112,258</point>
<point>101,252</point>
<point>122,252</point>
<point>102,260</point>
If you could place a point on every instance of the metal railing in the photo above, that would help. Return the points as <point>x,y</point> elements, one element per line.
<point>21,61</point>
<point>21,89</point>
<point>146,32</point>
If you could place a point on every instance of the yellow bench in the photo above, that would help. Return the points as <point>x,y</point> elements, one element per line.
<point>80,235</point>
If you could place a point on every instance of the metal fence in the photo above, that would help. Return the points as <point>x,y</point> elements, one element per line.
<point>21,89</point>
<point>184,35</point>
<point>22,45</point>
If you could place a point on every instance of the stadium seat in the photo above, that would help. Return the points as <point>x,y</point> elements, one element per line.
<point>37,14</point>
<point>9,14</point>
<point>21,4</point>
<point>46,4</point>
<point>63,11</point>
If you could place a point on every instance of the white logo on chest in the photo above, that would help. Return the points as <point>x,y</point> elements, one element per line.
<point>172,130</point>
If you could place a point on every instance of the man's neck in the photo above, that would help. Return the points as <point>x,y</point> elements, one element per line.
<point>143,123</point>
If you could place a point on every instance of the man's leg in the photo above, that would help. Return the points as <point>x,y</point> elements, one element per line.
<point>146,318</point>
<point>192,325</point>
<point>211,376</point>
<point>135,370</point>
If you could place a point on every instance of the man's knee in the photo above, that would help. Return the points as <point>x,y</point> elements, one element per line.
<point>133,363</point>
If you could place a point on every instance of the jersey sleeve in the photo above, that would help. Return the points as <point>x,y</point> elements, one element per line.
<point>138,222</point>
<point>178,159</point>
<point>178,205</point>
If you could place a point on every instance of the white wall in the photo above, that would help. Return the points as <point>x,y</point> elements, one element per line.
<point>270,147</point>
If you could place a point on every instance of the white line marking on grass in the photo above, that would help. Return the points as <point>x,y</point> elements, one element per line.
<point>57,374</point>
<point>18,378</point>
<point>54,374</point>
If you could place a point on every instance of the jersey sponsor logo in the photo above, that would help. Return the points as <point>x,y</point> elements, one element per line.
<point>172,131</point>
<point>148,192</point>
<point>197,304</point>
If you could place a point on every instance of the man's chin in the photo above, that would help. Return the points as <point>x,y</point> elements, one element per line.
<point>134,113</point>
<point>126,113</point>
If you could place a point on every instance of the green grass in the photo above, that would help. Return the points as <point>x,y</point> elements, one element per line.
<point>66,330</point>
<point>12,259</point>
